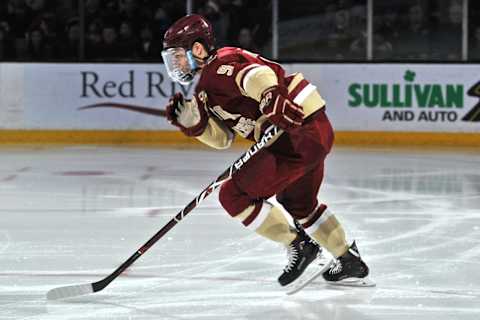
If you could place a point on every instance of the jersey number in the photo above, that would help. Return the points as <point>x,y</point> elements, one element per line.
<point>225,69</point>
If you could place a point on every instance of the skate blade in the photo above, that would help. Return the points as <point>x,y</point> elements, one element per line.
<point>314,270</point>
<point>353,282</point>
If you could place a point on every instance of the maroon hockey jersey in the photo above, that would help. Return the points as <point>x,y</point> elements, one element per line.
<point>221,81</point>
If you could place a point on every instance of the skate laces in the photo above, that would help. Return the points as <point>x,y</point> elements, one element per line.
<point>336,267</point>
<point>292,254</point>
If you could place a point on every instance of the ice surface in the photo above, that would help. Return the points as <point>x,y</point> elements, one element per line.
<point>71,215</point>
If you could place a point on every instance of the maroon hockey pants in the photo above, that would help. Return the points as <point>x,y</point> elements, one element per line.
<point>291,168</point>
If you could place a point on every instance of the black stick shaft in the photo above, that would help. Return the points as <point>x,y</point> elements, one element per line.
<point>131,107</point>
<point>271,133</point>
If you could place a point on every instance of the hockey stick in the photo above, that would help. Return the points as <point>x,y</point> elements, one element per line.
<point>131,107</point>
<point>77,290</point>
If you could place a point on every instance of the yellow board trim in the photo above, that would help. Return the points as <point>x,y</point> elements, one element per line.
<point>95,137</point>
<point>176,138</point>
<point>407,139</point>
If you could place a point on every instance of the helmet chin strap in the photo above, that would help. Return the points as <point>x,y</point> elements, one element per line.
<point>200,61</point>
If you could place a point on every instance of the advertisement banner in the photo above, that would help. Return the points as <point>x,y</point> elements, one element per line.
<point>399,97</point>
<point>53,93</point>
<point>360,97</point>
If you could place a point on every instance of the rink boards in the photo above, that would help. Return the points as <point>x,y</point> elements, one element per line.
<point>394,104</point>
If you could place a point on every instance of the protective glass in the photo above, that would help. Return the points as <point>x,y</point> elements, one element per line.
<point>180,64</point>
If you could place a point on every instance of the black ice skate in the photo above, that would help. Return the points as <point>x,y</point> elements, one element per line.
<point>349,269</point>
<point>301,252</point>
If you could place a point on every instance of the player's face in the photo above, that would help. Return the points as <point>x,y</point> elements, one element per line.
<point>180,60</point>
<point>180,64</point>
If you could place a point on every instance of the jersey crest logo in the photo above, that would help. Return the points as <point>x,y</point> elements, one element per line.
<point>244,126</point>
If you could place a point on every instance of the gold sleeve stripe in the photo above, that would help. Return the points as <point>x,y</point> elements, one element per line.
<point>216,135</point>
<point>295,81</point>
<point>302,95</point>
<point>257,79</point>
<point>312,103</point>
<point>305,94</point>
<point>240,75</point>
<point>249,73</point>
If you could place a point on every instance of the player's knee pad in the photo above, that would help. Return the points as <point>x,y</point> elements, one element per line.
<point>232,199</point>
<point>323,226</point>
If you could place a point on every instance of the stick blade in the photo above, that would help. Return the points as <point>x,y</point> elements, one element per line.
<point>69,291</point>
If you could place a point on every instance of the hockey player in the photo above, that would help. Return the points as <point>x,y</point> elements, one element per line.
<point>242,93</point>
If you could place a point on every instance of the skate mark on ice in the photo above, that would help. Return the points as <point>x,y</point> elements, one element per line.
<point>421,307</point>
<point>217,264</point>
<point>4,246</point>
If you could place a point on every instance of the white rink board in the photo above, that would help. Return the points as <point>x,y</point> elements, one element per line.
<point>360,97</point>
<point>51,94</point>
<point>398,86</point>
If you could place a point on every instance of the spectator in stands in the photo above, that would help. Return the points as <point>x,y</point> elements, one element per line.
<point>382,48</point>
<point>46,21</point>
<point>126,41</point>
<point>414,36</point>
<point>19,17</point>
<point>37,48</point>
<point>3,10</point>
<point>69,48</point>
<point>245,40</point>
<point>236,12</point>
<point>36,7</point>
<point>92,11</point>
<point>213,13</point>
<point>386,26</point>
<point>110,13</point>
<point>37,27</point>
<point>109,48</point>
<point>474,53</point>
<point>340,38</point>
<point>129,11</point>
<point>448,37</point>
<point>7,52</point>
<point>148,48</point>
<point>358,24</point>
<point>93,41</point>
<point>161,22</point>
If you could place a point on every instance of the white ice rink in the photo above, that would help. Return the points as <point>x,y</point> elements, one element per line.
<point>71,215</point>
